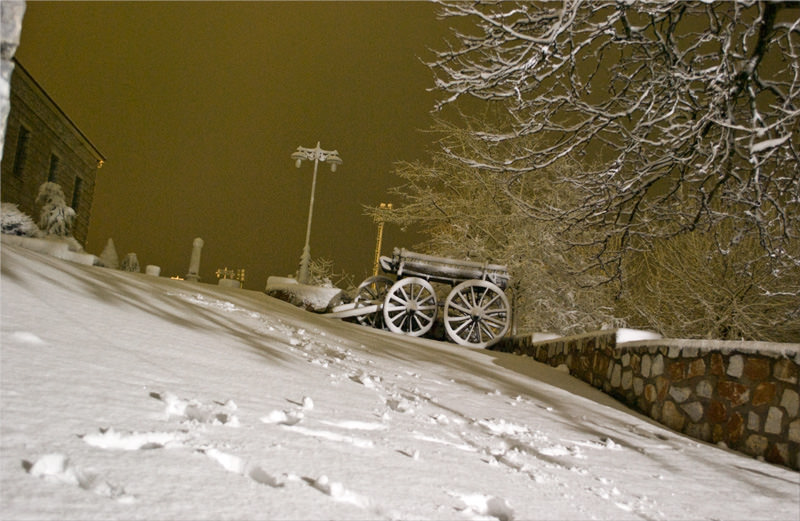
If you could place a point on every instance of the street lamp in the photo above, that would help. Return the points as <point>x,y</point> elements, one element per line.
<point>317,154</point>
<point>379,240</point>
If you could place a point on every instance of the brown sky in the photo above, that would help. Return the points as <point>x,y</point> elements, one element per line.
<point>197,107</point>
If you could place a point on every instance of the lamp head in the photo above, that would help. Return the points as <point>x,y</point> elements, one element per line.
<point>298,157</point>
<point>334,160</point>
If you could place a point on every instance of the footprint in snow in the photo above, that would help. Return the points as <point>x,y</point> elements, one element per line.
<point>400,404</point>
<point>283,417</point>
<point>57,468</point>
<point>356,425</point>
<point>368,381</point>
<point>26,337</point>
<point>336,490</point>
<point>114,440</point>
<point>307,404</point>
<point>290,417</point>
<point>480,506</point>
<point>216,413</point>
<point>237,465</point>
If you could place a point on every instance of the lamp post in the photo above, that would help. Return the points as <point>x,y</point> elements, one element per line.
<point>379,240</point>
<point>317,154</point>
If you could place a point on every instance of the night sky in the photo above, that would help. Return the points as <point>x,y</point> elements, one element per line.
<point>197,107</point>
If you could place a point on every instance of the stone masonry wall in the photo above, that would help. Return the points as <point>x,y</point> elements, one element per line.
<point>743,394</point>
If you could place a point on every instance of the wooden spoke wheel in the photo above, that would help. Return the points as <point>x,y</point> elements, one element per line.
<point>372,291</point>
<point>410,307</point>
<point>476,314</point>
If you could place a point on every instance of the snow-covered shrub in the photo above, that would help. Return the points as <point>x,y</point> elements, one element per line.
<point>109,257</point>
<point>687,287</point>
<point>14,221</point>
<point>131,263</point>
<point>322,273</point>
<point>55,217</point>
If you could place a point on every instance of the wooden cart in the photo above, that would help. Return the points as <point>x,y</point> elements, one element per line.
<point>476,312</point>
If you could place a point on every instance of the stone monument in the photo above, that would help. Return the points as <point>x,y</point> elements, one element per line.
<point>194,263</point>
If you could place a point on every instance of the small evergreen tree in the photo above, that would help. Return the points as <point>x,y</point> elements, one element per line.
<point>109,256</point>
<point>55,217</point>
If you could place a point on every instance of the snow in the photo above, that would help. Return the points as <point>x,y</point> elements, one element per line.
<point>769,143</point>
<point>315,298</point>
<point>127,396</point>
<point>635,335</point>
<point>54,246</point>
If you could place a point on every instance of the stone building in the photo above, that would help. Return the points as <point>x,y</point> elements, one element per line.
<point>43,144</point>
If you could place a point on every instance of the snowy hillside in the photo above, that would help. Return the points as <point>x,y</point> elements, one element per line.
<point>126,396</point>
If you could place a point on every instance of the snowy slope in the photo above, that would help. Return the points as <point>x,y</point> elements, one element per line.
<point>126,396</point>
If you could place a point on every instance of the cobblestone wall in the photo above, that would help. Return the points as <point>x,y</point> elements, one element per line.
<point>743,394</point>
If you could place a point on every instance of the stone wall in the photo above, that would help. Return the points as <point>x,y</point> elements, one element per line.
<point>744,395</point>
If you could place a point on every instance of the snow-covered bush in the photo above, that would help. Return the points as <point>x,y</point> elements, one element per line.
<point>14,221</point>
<point>55,217</point>
<point>109,255</point>
<point>322,273</point>
<point>687,287</point>
<point>131,263</point>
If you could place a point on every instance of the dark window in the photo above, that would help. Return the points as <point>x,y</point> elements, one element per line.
<point>76,193</point>
<point>54,160</point>
<point>22,151</point>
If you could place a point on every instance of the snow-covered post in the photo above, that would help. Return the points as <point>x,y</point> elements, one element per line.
<point>317,154</point>
<point>194,263</point>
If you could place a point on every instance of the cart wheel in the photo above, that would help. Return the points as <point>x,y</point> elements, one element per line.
<point>372,291</point>
<point>410,307</point>
<point>476,314</point>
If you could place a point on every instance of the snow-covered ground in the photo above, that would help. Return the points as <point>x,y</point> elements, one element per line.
<point>126,396</point>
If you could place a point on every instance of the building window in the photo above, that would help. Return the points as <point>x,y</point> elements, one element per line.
<point>52,176</point>
<point>76,193</point>
<point>21,155</point>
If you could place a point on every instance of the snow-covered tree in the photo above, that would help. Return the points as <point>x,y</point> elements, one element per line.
<point>682,115</point>
<point>14,221</point>
<point>684,288</point>
<point>109,255</point>
<point>55,216</point>
<point>464,213</point>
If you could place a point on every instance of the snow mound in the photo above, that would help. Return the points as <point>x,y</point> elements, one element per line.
<point>635,335</point>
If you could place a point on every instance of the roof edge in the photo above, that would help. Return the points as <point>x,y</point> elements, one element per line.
<point>98,155</point>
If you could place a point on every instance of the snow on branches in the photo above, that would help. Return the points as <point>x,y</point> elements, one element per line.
<point>682,114</point>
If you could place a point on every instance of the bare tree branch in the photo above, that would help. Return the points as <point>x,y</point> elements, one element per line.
<point>683,114</point>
